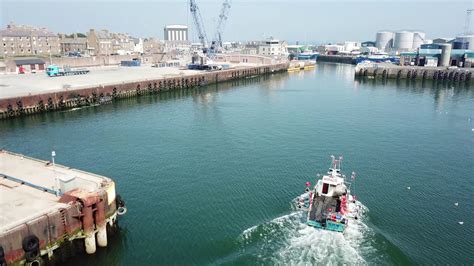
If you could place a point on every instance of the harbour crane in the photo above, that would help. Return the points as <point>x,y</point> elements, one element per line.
<point>216,42</point>
<point>193,7</point>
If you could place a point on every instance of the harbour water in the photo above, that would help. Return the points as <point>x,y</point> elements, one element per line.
<point>208,174</point>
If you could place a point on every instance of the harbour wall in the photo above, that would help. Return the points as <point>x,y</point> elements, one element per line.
<point>92,95</point>
<point>336,59</point>
<point>389,71</point>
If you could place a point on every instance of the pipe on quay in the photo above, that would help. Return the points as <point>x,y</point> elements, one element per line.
<point>101,224</point>
<point>88,227</point>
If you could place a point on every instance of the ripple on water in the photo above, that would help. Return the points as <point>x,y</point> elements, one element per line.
<point>288,240</point>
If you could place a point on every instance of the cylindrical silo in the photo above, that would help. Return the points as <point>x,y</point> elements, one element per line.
<point>466,41</point>
<point>384,40</point>
<point>403,41</point>
<point>418,39</point>
<point>445,57</point>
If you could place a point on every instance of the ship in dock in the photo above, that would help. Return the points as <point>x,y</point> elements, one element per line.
<point>46,207</point>
<point>330,204</point>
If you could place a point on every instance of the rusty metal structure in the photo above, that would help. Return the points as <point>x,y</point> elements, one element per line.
<point>47,208</point>
<point>67,99</point>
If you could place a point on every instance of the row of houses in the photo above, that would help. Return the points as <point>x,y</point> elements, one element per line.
<point>24,40</point>
<point>21,40</point>
<point>103,42</point>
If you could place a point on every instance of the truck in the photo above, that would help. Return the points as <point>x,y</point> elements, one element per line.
<point>53,71</point>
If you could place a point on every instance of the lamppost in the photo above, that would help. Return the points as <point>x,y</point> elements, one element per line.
<point>50,57</point>
<point>56,180</point>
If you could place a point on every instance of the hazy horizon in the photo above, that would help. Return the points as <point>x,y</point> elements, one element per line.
<point>303,21</point>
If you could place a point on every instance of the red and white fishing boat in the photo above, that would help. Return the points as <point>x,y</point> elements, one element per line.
<point>330,204</point>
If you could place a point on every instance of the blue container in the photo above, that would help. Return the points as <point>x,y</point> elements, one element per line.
<point>132,63</point>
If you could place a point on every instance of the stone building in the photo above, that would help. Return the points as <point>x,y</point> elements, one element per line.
<point>152,46</point>
<point>99,42</point>
<point>138,45</point>
<point>74,44</point>
<point>24,40</point>
<point>122,44</point>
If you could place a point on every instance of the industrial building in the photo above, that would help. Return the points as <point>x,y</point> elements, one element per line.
<point>273,47</point>
<point>175,33</point>
<point>464,42</point>
<point>443,54</point>
<point>347,48</point>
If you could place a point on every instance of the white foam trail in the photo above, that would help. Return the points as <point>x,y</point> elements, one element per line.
<point>288,240</point>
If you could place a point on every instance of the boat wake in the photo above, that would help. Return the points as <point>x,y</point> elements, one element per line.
<point>288,240</point>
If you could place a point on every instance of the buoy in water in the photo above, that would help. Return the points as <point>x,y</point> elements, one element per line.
<point>408,188</point>
<point>461,223</point>
<point>456,204</point>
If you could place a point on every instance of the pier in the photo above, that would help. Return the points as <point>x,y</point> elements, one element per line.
<point>47,207</point>
<point>37,94</point>
<point>390,71</point>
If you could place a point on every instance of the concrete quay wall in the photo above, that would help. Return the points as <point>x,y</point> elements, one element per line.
<point>336,59</point>
<point>91,95</point>
<point>44,222</point>
<point>388,71</point>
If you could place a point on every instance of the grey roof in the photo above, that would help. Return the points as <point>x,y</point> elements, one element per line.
<point>103,35</point>
<point>26,33</point>
<point>74,41</point>
<point>28,61</point>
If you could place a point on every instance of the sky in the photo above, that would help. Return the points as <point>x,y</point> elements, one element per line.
<point>317,21</point>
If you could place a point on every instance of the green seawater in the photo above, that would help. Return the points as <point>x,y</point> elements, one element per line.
<point>208,174</point>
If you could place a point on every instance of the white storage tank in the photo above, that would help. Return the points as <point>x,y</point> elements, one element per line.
<point>418,39</point>
<point>403,41</point>
<point>468,40</point>
<point>384,40</point>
